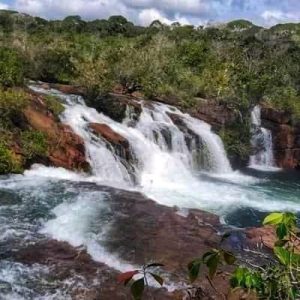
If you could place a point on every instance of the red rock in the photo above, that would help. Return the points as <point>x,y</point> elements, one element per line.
<point>286,141</point>
<point>110,135</point>
<point>265,235</point>
<point>279,117</point>
<point>66,149</point>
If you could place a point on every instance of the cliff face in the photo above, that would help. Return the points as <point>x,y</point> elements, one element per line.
<point>286,137</point>
<point>55,144</point>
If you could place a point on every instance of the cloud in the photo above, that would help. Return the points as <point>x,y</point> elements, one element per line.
<point>146,17</point>
<point>3,6</point>
<point>272,17</point>
<point>262,12</point>
<point>171,7</point>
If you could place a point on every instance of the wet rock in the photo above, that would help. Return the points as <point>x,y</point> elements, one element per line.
<point>119,144</point>
<point>278,117</point>
<point>66,89</point>
<point>140,231</point>
<point>65,262</point>
<point>5,287</point>
<point>190,136</point>
<point>66,149</point>
<point>285,137</point>
<point>115,106</point>
<point>265,235</point>
<point>108,134</point>
<point>212,112</point>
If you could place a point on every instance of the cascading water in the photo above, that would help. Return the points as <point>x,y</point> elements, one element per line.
<point>261,142</point>
<point>158,144</point>
<point>171,157</point>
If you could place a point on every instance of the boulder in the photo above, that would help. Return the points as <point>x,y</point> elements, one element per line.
<point>116,106</point>
<point>118,144</point>
<point>286,137</point>
<point>66,89</point>
<point>279,117</point>
<point>108,134</point>
<point>66,149</point>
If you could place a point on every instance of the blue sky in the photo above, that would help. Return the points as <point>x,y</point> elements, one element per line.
<point>197,12</point>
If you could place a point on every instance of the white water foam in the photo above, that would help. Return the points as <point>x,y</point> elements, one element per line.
<point>263,160</point>
<point>165,168</point>
<point>77,222</point>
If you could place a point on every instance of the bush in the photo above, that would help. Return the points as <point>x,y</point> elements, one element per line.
<point>54,105</point>
<point>33,144</point>
<point>11,68</point>
<point>54,65</point>
<point>9,162</point>
<point>12,102</point>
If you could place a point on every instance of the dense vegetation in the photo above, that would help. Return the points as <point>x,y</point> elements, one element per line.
<point>19,144</point>
<point>237,64</point>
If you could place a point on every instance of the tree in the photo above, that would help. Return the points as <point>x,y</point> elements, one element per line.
<point>11,68</point>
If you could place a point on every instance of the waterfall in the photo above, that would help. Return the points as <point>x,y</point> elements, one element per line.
<point>261,142</point>
<point>166,144</point>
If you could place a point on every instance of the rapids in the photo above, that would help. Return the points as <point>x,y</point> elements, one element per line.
<point>177,161</point>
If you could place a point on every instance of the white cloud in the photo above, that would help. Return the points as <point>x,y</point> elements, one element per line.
<point>262,12</point>
<point>188,7</point>
<point>60,8</point>
<point>146,16</point>
<point>272,17</point>
<point>3,6</point>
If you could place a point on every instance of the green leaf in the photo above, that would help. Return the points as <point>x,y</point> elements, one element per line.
<point>273,219</point>
<point>154,265</point>
<point>287,257</point>
<point>137,289</point>
<point>283,255</point>
<point>194,268</point>
<point>239,276</point>
<point>157,278</point>
<point>206,256</point>
<point>229,258</point>
<point>249,281</point>
<point>212,264</point>
<point>281,231</point>
<point>289,219</point>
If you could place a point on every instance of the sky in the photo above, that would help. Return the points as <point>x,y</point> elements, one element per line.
<point>143,12</point>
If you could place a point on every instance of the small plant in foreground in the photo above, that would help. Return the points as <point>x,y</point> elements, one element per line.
<point>279,279</point>
<point>137,286</point>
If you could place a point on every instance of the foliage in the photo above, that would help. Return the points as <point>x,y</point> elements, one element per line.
<point>236,139</point>
<point>11,68</point>
<point>14,134</point>
<point>280,279</point>
<point>33,144</point>
<point>9,163</point>
<point>54,65</point>
<point>212,260</point>
<point>11,104</point>
<point>237,64</point>
<point>137,286</point>
<point>54,105</point>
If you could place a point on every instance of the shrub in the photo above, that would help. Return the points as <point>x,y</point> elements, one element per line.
<point>9,162</point>
<point>54,105</point>
<point>11,68</point>
<point>33,144</point>
<point>12,102</point>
